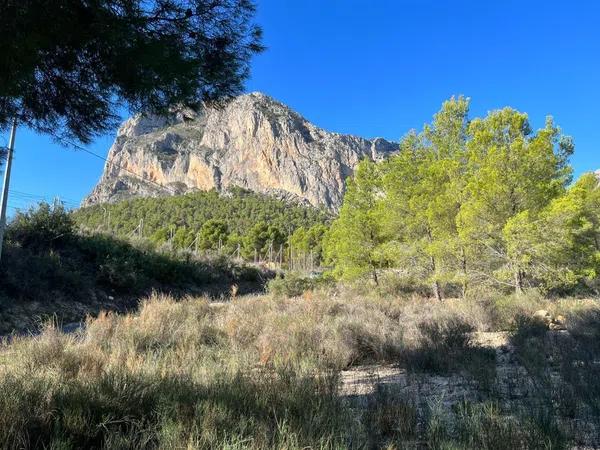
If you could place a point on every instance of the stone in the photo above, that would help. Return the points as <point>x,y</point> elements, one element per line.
<point>558,323</point>
<point>543,316</point>
<point>253,142</point>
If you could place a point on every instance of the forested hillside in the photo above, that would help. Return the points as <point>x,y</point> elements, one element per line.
<point>471,203</point>
<point>239,219</point>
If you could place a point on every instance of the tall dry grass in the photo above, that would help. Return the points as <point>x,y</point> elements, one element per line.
<point>257,372</point>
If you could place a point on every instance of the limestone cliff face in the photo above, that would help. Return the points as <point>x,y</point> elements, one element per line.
<point>253,142</point>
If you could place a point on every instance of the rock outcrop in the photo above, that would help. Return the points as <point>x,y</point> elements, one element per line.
<point>253,142</point>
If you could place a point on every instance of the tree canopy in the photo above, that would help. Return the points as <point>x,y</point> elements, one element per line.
<point>465,202</point>
<point>67,65</point>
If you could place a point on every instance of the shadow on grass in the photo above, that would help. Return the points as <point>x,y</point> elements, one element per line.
<point>446,348</point>
<point>564,365</point>
<point>119,410</point>
<point>76,275</point>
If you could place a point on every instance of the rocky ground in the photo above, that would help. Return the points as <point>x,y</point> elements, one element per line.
<point>513,388</point>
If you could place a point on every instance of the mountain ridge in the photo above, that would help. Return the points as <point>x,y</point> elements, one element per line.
<point>253,142</point>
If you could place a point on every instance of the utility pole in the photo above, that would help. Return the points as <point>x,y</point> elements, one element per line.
<point>4,201</point>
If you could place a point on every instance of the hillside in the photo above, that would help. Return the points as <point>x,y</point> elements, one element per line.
<point>253,142</point>
<point>58,272</point>
<point>238,217</point>
<point>241,209</point>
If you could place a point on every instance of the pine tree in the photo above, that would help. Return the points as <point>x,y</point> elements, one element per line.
<point>510,170</point>
<point>422,196</point>
<point>352,243</point>
<point>68,66</point>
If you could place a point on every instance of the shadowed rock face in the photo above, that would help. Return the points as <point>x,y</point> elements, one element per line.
<point>253,142</point>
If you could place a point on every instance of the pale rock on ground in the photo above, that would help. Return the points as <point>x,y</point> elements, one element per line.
<point>513,388</point>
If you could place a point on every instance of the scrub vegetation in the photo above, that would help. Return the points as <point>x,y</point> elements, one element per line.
<point>264,372</point>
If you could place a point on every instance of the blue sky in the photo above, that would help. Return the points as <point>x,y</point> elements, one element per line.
<point>379,68</point>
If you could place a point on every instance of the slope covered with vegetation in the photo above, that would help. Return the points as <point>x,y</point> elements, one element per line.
<point>266,372</point>
<point>254,222</point>
<point>50,268</point>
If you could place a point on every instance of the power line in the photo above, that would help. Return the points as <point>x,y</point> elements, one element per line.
<point>30,200</point>
<point>124,168</point>
<point>28,196</point>
<point>34,197</point>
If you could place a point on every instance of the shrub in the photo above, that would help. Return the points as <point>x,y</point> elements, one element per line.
<point>484,426</point>
<point>292,284</point>
<point>390,418</point>
<point>163,378</point>
<point>508,308</point>
<point>446,346</point>
<point>528,339</point>
<point>42,227</point>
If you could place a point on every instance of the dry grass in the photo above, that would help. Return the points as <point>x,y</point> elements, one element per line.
<point>258,372</point>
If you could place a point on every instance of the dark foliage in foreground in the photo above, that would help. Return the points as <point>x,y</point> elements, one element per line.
<point>47,261</point>
<point>66,64</point>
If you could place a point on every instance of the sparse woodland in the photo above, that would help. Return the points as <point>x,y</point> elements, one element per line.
<point>453,302</point>
<point>482,214</point>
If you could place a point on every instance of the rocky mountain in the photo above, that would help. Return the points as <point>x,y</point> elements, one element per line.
<point>253,142</point>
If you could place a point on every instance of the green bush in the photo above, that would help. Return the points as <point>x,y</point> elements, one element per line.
<point>292,284</point>
<point>42,227</point>
<point>52,261</point>
<point>484,426</point>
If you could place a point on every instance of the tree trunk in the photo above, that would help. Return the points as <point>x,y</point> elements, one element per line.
<point>518,281</point>
<point>375,278</point>
<point>464,271</point>
<point>437,291</point>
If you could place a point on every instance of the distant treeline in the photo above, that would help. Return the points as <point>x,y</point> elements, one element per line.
<point>468,203</point>
<point>237,222</point>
